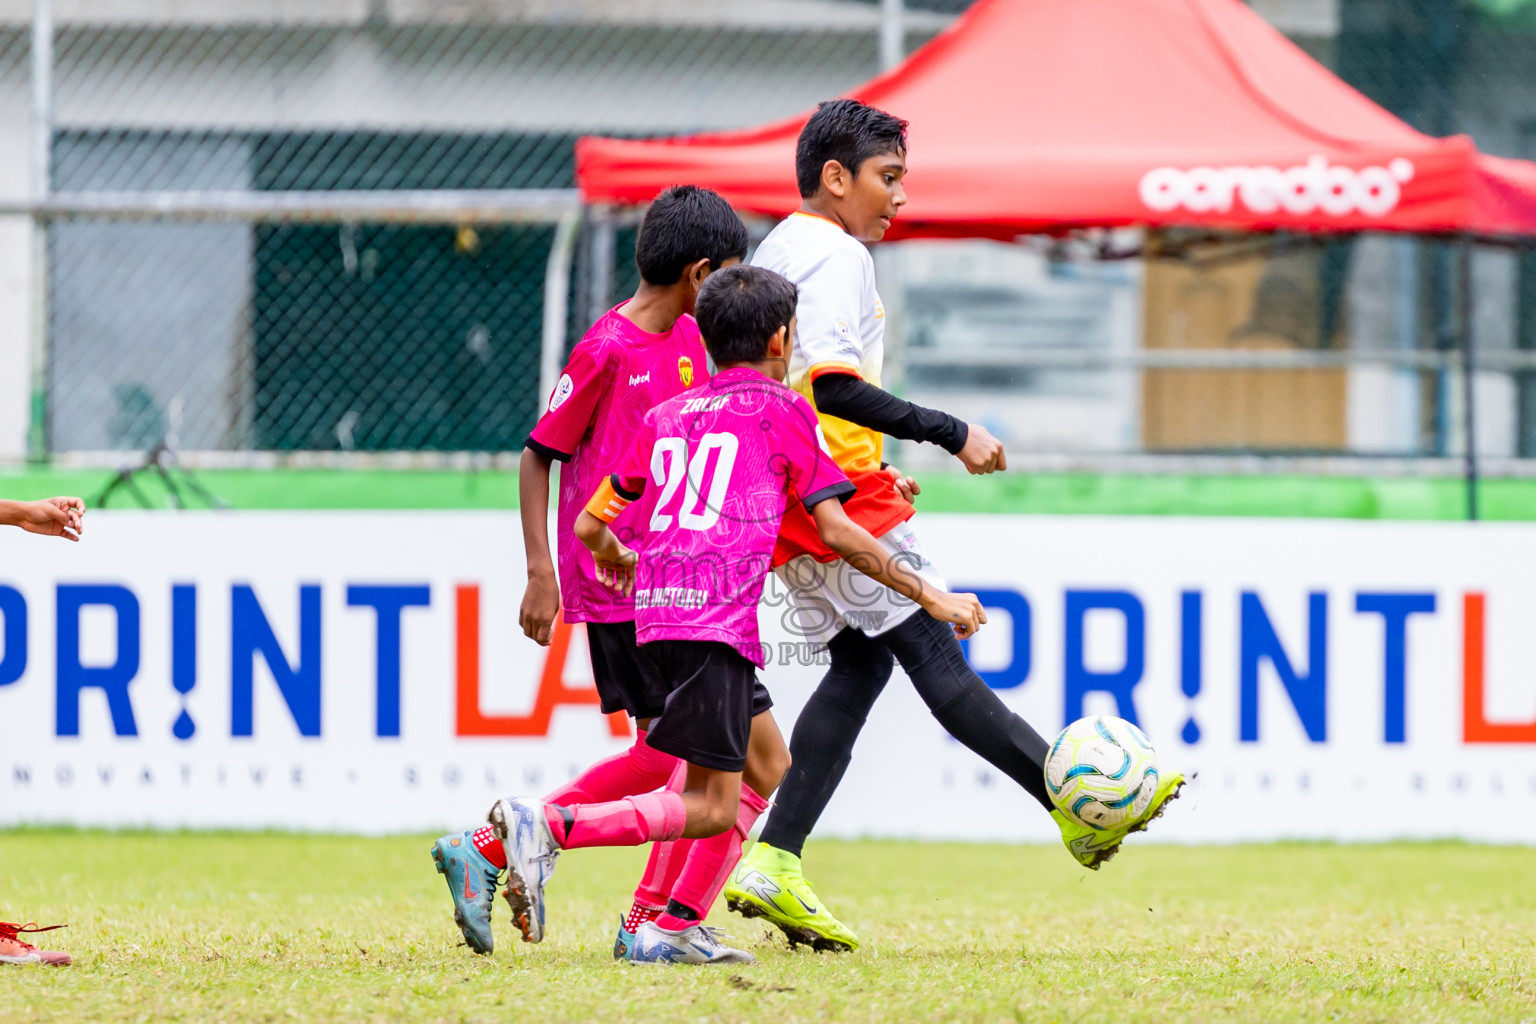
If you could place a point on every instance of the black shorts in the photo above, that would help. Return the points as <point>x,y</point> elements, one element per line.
<point>715,694</point>
<point>625,680</point>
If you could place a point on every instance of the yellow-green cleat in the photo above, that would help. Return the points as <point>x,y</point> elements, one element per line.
<point>768,884</point>
<point>1093,846</point>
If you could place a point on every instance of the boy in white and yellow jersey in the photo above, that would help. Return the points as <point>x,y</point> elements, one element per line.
<point>849,164</point>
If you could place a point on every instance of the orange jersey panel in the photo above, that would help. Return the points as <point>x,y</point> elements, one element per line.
<point>855,448</point>
<point>876,505</point>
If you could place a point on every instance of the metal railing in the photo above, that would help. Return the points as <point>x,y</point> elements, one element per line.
<point>343,239</point>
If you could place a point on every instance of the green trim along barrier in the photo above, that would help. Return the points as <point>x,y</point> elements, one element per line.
<point>284,488</point>
<point>1407,498</point>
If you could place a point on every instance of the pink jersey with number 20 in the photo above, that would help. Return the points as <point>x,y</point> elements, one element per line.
<point>716,466</point>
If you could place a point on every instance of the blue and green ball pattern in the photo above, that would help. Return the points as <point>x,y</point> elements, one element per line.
<point>1102,772</point>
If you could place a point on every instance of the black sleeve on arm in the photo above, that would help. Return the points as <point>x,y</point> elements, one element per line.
<point>856,400</point>
<point>842,490</point>
<point>549,454</point>
<point>621,490</point>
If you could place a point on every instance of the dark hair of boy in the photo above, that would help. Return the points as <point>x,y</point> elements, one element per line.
<point>740,309</point>
<point>686,224</point>
<point>849,132</point>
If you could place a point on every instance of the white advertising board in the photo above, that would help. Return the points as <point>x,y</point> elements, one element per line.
<point>363,671</point>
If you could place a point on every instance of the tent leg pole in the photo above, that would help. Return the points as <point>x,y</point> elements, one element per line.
<point>600,256</point>
<point>1468,382</point>
<point>557,288</point>
<point>893,34</point>
<point>42,185</point>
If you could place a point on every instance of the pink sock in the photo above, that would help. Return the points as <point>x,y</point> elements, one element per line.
<point>662,871</point>
<point>644,818</point>
<point>639,769</point>
<point>667,859</point>
<point>710,863</point>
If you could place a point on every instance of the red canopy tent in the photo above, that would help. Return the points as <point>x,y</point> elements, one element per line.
<point>1047,115</point>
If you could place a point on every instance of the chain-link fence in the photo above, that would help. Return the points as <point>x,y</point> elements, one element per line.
<point>246,325</point>
<point>217,278</point>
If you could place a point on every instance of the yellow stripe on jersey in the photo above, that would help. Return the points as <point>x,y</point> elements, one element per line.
<point>854,448</point>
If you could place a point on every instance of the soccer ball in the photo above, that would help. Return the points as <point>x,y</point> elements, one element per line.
<point>1102,772</point>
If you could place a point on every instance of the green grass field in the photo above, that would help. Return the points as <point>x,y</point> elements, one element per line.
<point>278,927</point>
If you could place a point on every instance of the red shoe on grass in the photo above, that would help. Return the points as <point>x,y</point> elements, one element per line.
<point>15,950</point>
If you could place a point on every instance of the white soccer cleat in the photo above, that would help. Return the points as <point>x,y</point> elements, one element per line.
<point>531,853</point>
<point>698,944</point>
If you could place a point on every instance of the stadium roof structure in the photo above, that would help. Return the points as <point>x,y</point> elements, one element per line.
<point>1048,115</point>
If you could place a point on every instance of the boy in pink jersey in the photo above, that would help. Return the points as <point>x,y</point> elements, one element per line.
<point>638,354</point>
<point>717,467</point>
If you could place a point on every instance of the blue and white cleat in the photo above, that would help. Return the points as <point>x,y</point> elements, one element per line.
<point>623,942</point>
<point>698,944</point>
<point>531,853</point>
<point>472,880</point>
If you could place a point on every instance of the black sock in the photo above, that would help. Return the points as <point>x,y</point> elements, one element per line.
<point>821,745</point>
<point>820,749</point>
<point>568,819</point>
<point>966,706</point>
<point>681,911</point>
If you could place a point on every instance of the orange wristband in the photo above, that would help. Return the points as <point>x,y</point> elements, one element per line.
<point>606,503</point>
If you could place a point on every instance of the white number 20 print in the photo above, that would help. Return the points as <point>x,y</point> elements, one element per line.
<point>670,466</point>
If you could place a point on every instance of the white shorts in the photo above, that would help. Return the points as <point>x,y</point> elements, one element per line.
<point>829,596</point>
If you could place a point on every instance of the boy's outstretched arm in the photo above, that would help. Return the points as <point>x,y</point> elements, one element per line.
<point>850,397</point>
<point>862,551</point>
<point>51,517</point>
<point>541,601</point>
